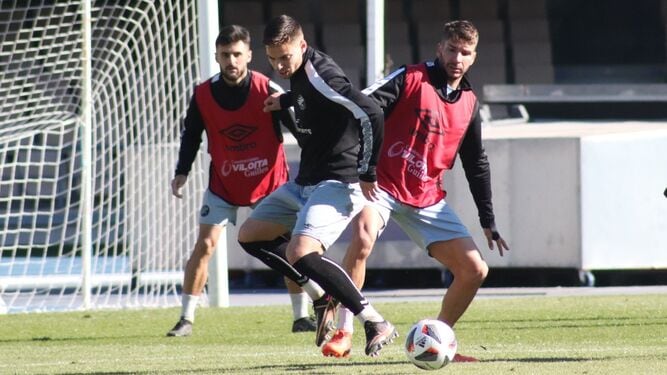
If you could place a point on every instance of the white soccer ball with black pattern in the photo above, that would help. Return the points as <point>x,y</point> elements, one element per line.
<point>430,344</point>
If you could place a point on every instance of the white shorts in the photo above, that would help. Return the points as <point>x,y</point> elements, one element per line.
<point>424,226</point>
<point>320,211</point>
<point>216,211</point>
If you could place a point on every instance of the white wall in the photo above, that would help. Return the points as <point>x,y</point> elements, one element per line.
<point>625,212</point>
<point>571,195</point>
<point>575,195</point>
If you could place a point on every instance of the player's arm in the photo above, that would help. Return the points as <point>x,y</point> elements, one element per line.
<point>193,126</point>
<point>278,101</point>
<point>371,122</point>
<point>284,116</point>
<point>476,167</point>
<point>386,91</point>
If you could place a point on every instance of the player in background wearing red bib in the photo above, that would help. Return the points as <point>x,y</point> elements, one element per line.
<point>431,114</point>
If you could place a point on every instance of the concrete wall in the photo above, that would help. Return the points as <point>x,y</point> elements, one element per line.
<point>624,220</point>
<point>571,195</point>
<point>575,195</point>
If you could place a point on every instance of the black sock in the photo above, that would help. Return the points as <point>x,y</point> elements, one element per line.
<point>333,279</point>
<point>272,253</point>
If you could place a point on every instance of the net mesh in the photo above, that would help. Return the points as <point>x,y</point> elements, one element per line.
<point>144,67</point>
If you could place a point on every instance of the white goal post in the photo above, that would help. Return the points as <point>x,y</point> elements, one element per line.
<point>87,219</point>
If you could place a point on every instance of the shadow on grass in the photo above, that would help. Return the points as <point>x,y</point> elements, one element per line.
<point>311,369</point>
<point>571,322</point>
<point>549,320</point>
<point>542,360</point>
<point>351,367</point>
<point>65,339</point>
<point>319,368</point>
<point>648,357</point>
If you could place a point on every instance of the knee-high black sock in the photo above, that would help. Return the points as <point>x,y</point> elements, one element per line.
<point>333,279</point>
<point>272,253</point>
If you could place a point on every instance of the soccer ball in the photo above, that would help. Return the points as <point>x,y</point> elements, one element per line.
<point>430,344</point>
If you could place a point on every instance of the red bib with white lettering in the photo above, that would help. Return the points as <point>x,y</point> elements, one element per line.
<point>421,138</point>
<point>247,158</point>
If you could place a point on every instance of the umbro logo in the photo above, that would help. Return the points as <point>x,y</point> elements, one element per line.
<point>428,122</point>
<point>238,132</point>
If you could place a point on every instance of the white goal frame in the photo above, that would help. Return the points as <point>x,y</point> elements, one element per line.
<point>77,284</point>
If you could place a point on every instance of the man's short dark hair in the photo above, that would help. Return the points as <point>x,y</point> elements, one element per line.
<point>280,30</point>
<point>232,34</point>
<point>460,31</point>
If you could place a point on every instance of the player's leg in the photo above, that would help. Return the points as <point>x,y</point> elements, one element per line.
<point>438,229</point>
<point>303,322</point>
<point>253,238</point>
<point>195,276</point>
<point>462,259</point>
<point>196,269</point>
<point>266,232</point>
<point>254,230</point>
<point>265,235</point>
<point>272,253</point>
<point>330,207</point>
<point>365,229</point>
<point>214,215</point>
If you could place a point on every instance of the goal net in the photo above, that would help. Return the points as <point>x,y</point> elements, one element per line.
<point>145,64</point>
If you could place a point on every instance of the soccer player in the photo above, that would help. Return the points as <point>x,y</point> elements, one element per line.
<point>431,113</point>
<point>247,161</point>
<point>341,138</point>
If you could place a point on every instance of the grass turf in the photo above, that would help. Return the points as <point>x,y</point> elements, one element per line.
<point>527,335</point>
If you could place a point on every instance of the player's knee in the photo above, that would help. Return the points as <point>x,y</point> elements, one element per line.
<point>253,248</point>
<point>301,246</point>
<point>205,247</point>
<point>246,233</point>
<point>255,230</point>
<point>483,271</point>
<point>293,252</point>
<point>361,246</point>
<point>363,240</point>
<point>476,272</point>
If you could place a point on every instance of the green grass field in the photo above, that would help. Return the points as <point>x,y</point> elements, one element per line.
<point>526,335</point>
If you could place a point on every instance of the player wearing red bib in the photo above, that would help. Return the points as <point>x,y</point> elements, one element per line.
<point>247,163</point>
<point>431,114</point>
<point>247,156</point>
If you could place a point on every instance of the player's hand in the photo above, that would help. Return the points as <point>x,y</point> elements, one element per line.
<point>176,185</point>
<point>370,190</point>
<point>272,103</point>
<point>492,235</point>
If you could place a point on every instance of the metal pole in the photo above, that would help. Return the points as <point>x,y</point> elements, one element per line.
<point>208,31</point>
<point>374,40</point>
<point>86,156</point>
<point>218,280</point>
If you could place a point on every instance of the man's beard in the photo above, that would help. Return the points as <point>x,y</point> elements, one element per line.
<point>233,77</point>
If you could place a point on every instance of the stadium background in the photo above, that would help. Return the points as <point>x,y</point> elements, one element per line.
<point>522,41</point>
<point>604,55</point>
<point>574,101</point>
